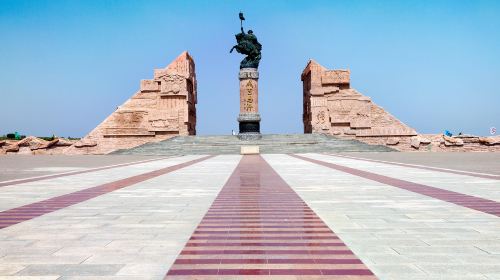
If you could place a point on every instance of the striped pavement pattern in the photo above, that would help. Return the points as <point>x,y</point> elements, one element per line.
<point>438,169</point>
<point>259,226</point>
<point>480,204</point>
<point>27,212</point>
<point>52,176</point>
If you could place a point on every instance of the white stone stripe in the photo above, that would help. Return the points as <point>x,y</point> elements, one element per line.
<point>13,196</point>
<point>417,165</point>
<point>474,186</point>
<point>75,172</point>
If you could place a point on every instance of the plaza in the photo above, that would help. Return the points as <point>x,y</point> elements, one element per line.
<point>269,216</point>
<point>221,140</point>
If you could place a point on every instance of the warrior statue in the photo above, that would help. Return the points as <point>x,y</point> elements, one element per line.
<point>249,46</point>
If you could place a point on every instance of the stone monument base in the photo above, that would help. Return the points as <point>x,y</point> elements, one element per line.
<point>249,117</point>
<point>249,136</point>
<point>249,124</point>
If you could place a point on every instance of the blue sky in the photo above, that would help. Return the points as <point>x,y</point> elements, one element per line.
<point>66,65</point>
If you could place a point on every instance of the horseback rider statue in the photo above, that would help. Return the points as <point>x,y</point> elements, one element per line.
<point>249,46</point>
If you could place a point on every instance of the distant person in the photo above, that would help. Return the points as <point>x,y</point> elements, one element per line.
<point>448,133</point>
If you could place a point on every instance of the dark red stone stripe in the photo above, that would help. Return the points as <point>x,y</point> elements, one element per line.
<point>256,225</point>
<point>27,180</point>
<point>27,212</point>
<point>459,172</point>
<point>268,261</point>
<point>276,271</point>
<point>270,244</point>
<point>469,201</point>
<point>266,252</point>
<point>262,237</point>
<point>238,232</point>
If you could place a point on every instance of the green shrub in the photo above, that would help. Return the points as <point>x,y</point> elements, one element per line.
<point>47,138</point>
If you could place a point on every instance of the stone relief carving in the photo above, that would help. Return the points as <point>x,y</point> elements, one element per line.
<point>248,98</point>
<point>149,85</point>
<point>128,118</point>
<point>248,74</point>
<point>321,117</point>
<point>172,84</point>
<point>318,102</point>
<point>335,77</point>
<point>159,120</point>
<point>356,113</point>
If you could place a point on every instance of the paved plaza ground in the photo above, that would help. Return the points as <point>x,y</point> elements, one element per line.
<point>270,216</point>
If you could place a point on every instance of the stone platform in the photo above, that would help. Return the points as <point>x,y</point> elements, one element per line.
<point>268,143</point>
<point>273,216</point>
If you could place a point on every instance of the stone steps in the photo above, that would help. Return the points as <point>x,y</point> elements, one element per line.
<point>269,143</point>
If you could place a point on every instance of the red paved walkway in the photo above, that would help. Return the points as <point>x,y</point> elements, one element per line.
<point>259,226</point>
<point>469,201</point>
<point>27,212</point>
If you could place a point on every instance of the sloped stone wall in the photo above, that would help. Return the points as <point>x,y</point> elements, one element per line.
<point>164,107</point>
<point>331,106</point>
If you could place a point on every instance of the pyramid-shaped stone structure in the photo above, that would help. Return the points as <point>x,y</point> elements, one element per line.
<point>332,107</point>
<point>164,107</point>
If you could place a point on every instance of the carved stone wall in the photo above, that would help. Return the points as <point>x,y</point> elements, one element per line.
<point>163,107</point>
<point>332,107</point>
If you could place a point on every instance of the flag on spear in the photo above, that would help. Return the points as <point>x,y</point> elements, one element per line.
<point>242,18</point>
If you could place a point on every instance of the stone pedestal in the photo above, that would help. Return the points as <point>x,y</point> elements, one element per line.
<point>249,118</point>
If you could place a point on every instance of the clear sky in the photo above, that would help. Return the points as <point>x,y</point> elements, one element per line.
<point>66,65</point>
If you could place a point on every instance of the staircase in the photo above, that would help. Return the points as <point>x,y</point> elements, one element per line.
<point>269,144</point>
